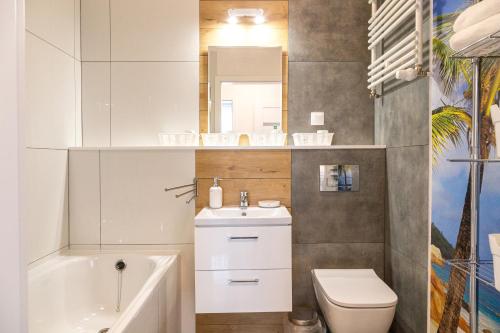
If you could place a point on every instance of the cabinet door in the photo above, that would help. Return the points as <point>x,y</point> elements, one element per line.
<point>218,248</point>
<point>244,291</point>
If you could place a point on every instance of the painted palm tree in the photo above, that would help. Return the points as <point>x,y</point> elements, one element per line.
<point>450,125</point>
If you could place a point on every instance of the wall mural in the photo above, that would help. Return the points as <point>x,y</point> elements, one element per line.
<point>451,91</point>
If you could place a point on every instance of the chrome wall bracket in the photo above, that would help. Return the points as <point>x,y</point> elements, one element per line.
<point>194,190</point>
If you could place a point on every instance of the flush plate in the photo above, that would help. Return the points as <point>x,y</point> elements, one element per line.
<point>339,178</point>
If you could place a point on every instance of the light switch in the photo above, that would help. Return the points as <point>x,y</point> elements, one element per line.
<point>317,118</point>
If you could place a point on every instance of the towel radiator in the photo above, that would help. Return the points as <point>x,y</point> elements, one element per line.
<point>403,60</point>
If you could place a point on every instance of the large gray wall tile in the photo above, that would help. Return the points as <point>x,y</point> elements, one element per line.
<point>408,202</point>
<point>332,217</point>
<point>328,30</point>
<point>402,117</point>
<point>310,256</point>
<point>407,233</point>
<point>409,281</point>
<point>402,123</point>
<point>338,90</point>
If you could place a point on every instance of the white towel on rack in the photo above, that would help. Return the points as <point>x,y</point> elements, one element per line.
<point>495,118</point>
<point>495,115</point>
<point>476,13</point>
<point>469,35</point>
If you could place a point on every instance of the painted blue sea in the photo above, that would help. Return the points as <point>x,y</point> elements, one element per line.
<point>488,298</point>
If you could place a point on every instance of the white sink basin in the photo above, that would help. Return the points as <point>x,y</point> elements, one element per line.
<point>236,216</point>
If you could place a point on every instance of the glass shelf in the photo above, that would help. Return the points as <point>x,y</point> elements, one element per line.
<point>471,160</point>
<point>484,269</point>
<point>486,47</point>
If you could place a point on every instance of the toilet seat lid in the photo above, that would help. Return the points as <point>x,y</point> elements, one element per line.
<point>355,288</point>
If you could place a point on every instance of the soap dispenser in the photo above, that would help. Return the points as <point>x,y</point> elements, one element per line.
<point>216,194</point>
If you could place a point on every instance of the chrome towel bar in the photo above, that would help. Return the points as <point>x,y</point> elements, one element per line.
<point>194,190</point>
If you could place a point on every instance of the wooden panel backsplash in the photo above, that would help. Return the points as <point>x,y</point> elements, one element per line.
<point>258,189</point>
<point>264,174</point>
<point>213,17</point>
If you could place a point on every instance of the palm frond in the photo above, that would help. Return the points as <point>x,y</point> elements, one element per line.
<point>450,70</point>
<point>449,124</point>
<point>443,25</point>
<point>491,86</point>
<point>443,22</point>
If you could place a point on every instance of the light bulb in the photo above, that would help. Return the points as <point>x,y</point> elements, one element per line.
<point>232,19</point>
<point>259,19</point>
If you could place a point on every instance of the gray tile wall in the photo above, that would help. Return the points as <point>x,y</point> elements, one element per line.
<point>402,123</point>
<point>328,59</point>
<point>336,230</point>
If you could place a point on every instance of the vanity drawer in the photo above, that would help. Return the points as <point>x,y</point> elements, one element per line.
<point>243,248</point>
<point>244,291</point>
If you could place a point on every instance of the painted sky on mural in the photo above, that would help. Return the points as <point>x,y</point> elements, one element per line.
<point>448,194</point>
<point>450,179</point>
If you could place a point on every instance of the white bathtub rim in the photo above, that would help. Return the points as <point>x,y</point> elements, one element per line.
<point>164,263</point>
<point>92,250</point>
<point>40,261</point>
<point>50,265</point>
<point>162,258</point>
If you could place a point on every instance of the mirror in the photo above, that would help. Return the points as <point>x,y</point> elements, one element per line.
<point>244,89</point>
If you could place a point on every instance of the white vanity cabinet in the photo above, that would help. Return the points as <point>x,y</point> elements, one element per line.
<point>243,265</point>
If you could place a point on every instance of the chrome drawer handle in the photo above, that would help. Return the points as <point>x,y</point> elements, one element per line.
<point>243,237</point>
<point>244,281</point>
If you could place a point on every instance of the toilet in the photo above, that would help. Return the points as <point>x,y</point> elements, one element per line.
<point>354,300</point>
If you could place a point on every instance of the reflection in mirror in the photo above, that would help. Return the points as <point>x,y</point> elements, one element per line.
<point>245,89</point>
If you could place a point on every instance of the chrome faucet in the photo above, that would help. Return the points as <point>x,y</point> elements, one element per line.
<point>243,199</point>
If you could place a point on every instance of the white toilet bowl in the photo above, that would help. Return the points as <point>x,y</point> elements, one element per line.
<point>354,300</point>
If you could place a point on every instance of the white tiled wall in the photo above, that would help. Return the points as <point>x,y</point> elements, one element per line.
<point>78,104</point>
<point>53,21</point>
<point>150,97</point>
<point>135,208</point>
<point>52,122</point>
<point>50,92</point>
<point>84,197</point>
<point>96,103</point>
<point>95,25</point>
<point>152,83</point>
<point>117,199</point>
<point>46,201</point>
<point>154,30</point>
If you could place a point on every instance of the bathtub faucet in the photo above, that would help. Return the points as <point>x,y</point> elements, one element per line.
<point>120,265</point>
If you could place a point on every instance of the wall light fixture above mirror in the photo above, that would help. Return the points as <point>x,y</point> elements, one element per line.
<point>257,14</point>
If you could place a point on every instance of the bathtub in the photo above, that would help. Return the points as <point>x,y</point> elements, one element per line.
<point>78,292</point>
